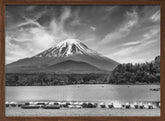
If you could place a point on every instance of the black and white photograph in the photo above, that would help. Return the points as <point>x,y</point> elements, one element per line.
<point>82,60</point>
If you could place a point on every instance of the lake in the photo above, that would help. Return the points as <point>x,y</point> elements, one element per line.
<point>99,92</point>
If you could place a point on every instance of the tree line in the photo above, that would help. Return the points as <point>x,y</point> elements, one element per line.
<point>146,73</point>
<point>45,79</point>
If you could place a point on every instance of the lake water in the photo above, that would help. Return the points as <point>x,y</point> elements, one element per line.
<point>99,92</point>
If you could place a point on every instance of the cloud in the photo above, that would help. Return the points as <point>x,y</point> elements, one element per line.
<point>93,28</point>
<point>29,37</point>
<point>57,27</point>
<point>75,22</point>
<point>28,22</point>
<point>139,47</point>
<point>156,16</point>
<point>155,31</point>
<point>110,8</point>
<point>133,60</point>
<point>120,46</point>
<point>66,14</point>
<point>76,19</point>
<point>151,33</point>
<point>123,30</point>
<point>30,8</point>
<point>132,43</point>
<point>135,55</point>
<point>27,44</point>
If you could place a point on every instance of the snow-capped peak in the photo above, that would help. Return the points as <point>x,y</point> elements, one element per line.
<point>69,41</point>
<point>67,47</point>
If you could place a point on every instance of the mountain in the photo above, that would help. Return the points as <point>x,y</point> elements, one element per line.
<point>66,57</point>
<point>67,47</point>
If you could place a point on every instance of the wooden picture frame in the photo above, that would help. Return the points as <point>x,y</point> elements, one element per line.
<point>79,2</point>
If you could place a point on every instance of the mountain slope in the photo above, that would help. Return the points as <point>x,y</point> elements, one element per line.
<point>73,66</point>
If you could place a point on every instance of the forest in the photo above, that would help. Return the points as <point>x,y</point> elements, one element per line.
<point>139,73</point>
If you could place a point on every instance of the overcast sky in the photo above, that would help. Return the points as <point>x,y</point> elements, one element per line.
<point>123,33</point>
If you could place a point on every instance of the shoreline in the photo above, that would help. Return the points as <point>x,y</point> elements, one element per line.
<point>80,85</point>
